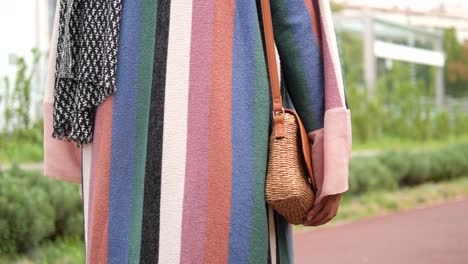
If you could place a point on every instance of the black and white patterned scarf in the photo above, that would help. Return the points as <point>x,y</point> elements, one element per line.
<point>86,65</point>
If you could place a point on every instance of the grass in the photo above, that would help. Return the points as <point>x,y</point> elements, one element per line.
<point>385,202</point>
<point>63,251</point>
<point>392,143</point>
<point>22,145</point>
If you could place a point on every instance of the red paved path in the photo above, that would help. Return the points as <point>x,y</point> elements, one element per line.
<point>437,234</point>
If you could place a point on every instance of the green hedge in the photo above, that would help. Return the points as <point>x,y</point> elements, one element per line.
<point>391,170</point>
<point>34,208</point>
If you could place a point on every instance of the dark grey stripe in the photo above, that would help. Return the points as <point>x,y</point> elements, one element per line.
<point>152,193</point>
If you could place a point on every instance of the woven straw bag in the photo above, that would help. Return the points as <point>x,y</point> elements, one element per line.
<point>290,187</point>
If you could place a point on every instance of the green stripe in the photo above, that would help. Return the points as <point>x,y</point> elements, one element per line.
<point>292,67</point>
<point>145,69</point>
<point>261,115</point>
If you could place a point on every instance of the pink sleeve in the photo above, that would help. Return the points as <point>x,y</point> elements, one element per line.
<point>331,152</point>
<point>331,145</point>
<point>62,159</point>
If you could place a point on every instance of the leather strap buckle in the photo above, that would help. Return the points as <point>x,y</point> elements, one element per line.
<point>278,112</point>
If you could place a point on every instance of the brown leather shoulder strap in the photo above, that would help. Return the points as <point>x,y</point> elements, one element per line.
<point>277,101</point>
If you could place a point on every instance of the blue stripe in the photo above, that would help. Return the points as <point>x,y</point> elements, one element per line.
<point>243,78</point>
<point>123,135</point>
<point>312,63</point>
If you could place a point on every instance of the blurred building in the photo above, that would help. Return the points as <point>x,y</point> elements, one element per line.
<point>446,14</point>
<point>389,34</point>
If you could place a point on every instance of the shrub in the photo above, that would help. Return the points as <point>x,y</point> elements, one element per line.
<point>397,163</point>
<point>461,121</point>
<point>393,169</point>
<point>437,165</point>
<point>368,173</point>
<point>442,125</point>
<point>34,208</point>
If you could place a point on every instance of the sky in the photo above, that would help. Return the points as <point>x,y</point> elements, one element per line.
<point>17,29</point>
<point>460,6</point>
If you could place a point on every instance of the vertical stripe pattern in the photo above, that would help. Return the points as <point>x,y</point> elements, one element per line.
<point>303,70</point>
<point>333,78</point>
<point>86,174</point>
<point>196,168</point>
<point>175,131</point>
<point>98,233</point>
<point>123,135</point>
<point>149,251</point>
<point>243,78</point>
<point>145,74</point>
<point>176,171</point>
<point>220,140</point>
<point>261,119</point>
<point>272,231</point>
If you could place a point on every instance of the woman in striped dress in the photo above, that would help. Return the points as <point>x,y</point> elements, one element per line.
<point>176,169</point>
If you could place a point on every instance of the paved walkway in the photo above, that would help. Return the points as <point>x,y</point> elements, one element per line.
<point>437,234</point>
<point>38,166</point>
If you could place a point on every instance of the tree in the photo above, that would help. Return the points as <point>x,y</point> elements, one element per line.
<point>456,70</point>
<point>17,96</point>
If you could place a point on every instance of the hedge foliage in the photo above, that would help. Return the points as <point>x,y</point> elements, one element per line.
<point>391,170</point>
<point>34,208</point>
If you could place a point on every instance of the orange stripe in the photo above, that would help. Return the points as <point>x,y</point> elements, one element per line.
<point>219,153</point>
<point>100,208</point>
<point>315,23</point>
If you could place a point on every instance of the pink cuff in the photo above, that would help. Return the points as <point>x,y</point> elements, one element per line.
<point>62,159</point>
<point>331,152</point>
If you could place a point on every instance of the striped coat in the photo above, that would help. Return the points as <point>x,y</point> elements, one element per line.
<point>176,171</point>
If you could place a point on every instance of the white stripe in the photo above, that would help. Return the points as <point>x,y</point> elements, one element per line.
<point>278,62</point>
<point>329,32</point>
<point>86,173</point>
<point>272,232</point>
<point>175,131</point>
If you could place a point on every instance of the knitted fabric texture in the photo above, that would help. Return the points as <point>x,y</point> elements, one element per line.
<point>86,65</point>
